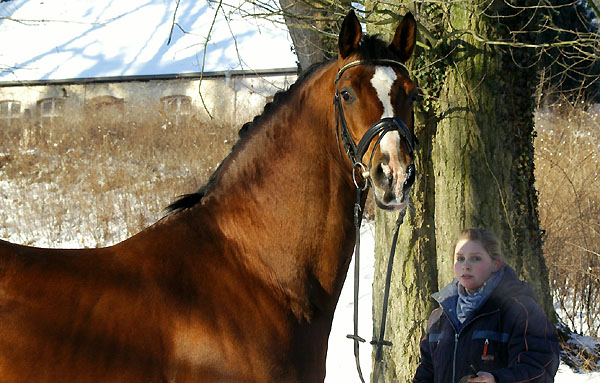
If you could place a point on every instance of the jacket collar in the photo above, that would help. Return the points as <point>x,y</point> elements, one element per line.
<point>448,296</point>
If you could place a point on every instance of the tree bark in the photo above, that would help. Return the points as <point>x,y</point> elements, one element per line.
<point>483,149</point>
<point>308,42</point>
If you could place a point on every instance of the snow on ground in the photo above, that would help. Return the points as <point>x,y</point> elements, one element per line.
<point>566,375</point>
<point>341,366</point>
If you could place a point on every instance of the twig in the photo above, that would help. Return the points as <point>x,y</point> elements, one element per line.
<point>582,248</point>
<point>173,23</point>
<point>212,24</point>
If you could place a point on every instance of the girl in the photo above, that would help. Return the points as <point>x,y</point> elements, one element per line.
<point>488,327</point>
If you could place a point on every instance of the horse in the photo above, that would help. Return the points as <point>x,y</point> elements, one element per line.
<point>239,281</point>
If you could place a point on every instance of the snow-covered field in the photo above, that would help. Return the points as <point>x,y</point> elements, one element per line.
<point>96,38</point>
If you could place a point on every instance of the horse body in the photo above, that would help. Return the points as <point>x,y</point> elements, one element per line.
<point>239,287</point>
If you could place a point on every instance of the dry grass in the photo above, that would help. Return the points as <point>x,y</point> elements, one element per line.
<point>87,184</point>
<point>568,181</point>
<point>581,353</point>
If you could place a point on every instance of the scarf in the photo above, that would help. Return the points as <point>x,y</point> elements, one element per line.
<point>468,302</point>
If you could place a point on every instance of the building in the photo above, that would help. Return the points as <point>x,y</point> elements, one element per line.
<point>126,61</point>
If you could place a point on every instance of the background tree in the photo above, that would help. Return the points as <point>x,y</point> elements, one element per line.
<point>311,25</point>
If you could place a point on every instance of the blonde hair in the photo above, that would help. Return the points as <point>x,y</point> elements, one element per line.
<point>485,237</point>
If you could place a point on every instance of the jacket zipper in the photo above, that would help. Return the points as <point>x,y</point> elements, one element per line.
<point>454,356</point>
<point>457,335</point>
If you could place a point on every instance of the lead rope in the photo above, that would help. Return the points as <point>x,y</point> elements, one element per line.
<point>355,337</point>
<point>351,150</point>
<point>380,342</point>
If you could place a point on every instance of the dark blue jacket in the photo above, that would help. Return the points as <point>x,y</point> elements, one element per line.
<point>507,335</point>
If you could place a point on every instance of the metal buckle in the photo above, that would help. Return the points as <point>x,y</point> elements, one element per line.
<point>364,173</point>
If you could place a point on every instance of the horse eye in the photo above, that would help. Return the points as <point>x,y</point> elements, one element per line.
<point>346,96</point>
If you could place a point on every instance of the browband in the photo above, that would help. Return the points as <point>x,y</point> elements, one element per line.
<point>368,62</point>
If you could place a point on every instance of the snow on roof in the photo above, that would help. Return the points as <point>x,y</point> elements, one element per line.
<point>56,39</point>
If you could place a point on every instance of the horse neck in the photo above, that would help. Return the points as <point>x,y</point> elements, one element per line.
<point>285,198</point>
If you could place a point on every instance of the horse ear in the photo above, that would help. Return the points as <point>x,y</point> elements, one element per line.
<point>405,37</point>
<point>350,35</point>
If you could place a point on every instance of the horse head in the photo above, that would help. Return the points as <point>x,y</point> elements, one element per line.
<point>374,109</point>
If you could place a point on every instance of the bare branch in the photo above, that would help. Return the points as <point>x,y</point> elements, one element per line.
<point>41,21</point>
<point>212,24</point>
<point>173,23</point>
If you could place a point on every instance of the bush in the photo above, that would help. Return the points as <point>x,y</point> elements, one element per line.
<point>94,184</point>
<point>568,182</point>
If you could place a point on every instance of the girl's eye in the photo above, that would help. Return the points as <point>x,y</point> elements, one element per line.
<point>460,259</point>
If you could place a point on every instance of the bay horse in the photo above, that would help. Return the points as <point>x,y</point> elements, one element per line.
<point>239,282</point>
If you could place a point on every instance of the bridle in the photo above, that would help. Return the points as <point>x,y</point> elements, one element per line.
<point>355,153</point>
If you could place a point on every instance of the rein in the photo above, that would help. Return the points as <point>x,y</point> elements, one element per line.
<point>376,342</point>
<point>355,154</point>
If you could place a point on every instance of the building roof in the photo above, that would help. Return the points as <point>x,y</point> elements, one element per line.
<point>55,40</point>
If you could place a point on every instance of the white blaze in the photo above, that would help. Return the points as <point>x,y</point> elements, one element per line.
<point>382,81</point>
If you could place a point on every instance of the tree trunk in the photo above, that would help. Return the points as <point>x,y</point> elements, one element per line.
<point>308,42</point>
<point>475,168</point>
<point>414,276</point>
<point>483,149</point>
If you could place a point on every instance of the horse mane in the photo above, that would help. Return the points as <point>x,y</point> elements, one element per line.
<point>370,48</point>
<point>187,201</point>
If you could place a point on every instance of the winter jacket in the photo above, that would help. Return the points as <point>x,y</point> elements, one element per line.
<point>507,335</point>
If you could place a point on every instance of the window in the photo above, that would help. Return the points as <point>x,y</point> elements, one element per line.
<point>105,111</point>
<point>177,110</point>
<point>10,113</point>
<point>50,111</point>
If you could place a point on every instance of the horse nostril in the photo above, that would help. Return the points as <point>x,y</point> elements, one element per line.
<point>380,174</point>
<point>387,176</point>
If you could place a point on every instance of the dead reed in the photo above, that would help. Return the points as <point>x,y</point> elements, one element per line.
<point>568,182</point>
<point>99,181</point>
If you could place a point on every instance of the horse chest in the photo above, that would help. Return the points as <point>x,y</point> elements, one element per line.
<point>230,350</point>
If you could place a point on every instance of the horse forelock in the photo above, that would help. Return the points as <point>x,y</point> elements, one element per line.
<point>372,48</point>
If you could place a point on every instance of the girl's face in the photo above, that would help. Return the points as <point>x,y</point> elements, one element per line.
<point>473,266</point>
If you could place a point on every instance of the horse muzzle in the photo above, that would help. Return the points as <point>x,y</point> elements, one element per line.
<point>391,186</point>
<point>391,167</point>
